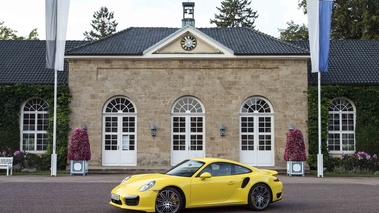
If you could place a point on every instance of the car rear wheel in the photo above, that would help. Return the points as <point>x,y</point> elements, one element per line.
<point>169,200</point>
<point>259,197</point>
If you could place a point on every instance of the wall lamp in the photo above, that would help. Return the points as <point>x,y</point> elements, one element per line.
<point>292,127</point>
<point>153,130</point>
<point>222,130</point>
<point>84,127</point>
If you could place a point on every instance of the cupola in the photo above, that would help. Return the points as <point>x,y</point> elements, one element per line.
<point>188,14</point>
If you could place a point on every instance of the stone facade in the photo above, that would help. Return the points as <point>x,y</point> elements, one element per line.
<point>222,85</point>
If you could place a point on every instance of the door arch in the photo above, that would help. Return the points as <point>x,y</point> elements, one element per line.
<point>256,132</point>
<point>188,129</point>
<point>119,133</point>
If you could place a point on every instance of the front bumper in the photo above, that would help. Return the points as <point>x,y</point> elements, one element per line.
<point>145,201</point>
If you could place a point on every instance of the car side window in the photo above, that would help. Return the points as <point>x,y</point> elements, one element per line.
<point>218,169</point>
<point>240,170</point>
<point>223,169</point>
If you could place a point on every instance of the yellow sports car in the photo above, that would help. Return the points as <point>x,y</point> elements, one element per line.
<point>199,182</point>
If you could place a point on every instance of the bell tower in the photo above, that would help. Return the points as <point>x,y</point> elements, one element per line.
<point>188,14</point>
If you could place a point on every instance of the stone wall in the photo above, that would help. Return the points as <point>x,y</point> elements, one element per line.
<point>221,85</point>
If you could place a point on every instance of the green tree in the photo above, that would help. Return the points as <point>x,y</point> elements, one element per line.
<point>353,19</point>
<point>235,13</point>
<point>7,33</point>
<point>294,32</point>
<point>103,25</point>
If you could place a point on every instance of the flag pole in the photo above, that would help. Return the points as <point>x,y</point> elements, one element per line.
<point>320,163</point>
<point>54,155</point>
<point>319,21</point>
<point>56,12</point>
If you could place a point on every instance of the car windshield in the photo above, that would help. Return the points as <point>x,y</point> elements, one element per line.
<point>186,168</point>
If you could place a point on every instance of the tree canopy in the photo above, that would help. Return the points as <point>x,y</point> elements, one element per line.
<point>295,32</point>
<point>7,33</point>
<point>351,19</point>
<point>235,13</point>
<point>103,25</point>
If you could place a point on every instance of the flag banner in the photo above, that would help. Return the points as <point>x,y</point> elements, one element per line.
<point>319,22</point>
<point>56,12</point>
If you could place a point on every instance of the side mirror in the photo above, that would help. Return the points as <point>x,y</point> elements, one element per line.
<point>205,175</point>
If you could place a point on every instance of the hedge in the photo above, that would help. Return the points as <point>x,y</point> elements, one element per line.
<point>11,99</point>
<point>366,101</point>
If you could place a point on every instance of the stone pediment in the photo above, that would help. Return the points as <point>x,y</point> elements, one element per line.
<point>188,42</point>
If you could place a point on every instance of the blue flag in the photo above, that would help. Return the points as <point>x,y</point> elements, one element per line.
<point>319,21</point>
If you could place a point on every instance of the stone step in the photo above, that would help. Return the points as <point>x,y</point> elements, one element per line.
<point>136,170</point>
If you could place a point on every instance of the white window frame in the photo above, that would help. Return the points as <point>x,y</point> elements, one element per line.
<point>188,107</point>
<point>120,107</point>
<point>38,108</point>
<point>123,111</point>
<point>251,109</point>
<point>342,108</point>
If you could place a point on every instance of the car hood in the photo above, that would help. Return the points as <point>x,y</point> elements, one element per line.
<point>135,182</point>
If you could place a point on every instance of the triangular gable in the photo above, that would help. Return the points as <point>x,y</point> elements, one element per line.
<point>188,42</point>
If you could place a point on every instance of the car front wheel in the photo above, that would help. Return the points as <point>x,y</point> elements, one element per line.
<point>259,197</point>
<point>169,200</point>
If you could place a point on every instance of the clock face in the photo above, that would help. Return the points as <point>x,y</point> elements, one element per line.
<point>188,42</point>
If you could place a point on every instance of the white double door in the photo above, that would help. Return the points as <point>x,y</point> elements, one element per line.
<point>256,141</point>
<point>119,141</point>
<point>187,138</point>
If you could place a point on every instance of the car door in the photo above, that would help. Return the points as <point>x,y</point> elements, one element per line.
<point>216,189</point>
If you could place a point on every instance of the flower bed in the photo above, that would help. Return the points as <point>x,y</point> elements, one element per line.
<point>20,158</point>
<point>359,163</point>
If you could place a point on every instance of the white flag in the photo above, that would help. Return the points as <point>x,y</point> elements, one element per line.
<point>56,28</point>
<point>319,21</point>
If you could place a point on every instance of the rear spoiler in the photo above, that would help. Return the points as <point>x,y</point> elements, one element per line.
<point>269,171</point>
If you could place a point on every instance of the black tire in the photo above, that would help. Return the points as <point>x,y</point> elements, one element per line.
<point>169,200</point>
<point>259,197</point>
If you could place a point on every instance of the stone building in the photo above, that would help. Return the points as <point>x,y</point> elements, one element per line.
<point>152,97</point>
<point>188,83</point>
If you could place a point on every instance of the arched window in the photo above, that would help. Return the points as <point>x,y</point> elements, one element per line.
<point>119,132</point>
<point>34,124</point>
<point>341,128</point>
<point>187,105</point>
<point>256,132</point>
<point>188,128</point>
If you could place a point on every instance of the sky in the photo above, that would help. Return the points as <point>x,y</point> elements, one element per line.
<point>26,15</point>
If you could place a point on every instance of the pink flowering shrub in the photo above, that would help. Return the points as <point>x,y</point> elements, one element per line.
<point>360,162</point>
<point>295,147</point>
<point>20,158</point>
<point>79,148</point>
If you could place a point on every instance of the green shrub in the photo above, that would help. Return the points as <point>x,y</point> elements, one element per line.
<point>367,119</point>
<point>11,99</point>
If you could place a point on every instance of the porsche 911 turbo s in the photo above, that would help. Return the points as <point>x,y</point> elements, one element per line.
<point>198,183</point>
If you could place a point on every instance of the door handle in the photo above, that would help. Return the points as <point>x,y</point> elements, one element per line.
<point>231,182</point>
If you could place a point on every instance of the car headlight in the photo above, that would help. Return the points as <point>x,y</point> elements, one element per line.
<point>125,179</point>
<point>147,186</point>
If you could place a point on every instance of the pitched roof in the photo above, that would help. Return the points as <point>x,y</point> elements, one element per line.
<point>243,41</point>
<point>24,62</point>
<point>351,62</point>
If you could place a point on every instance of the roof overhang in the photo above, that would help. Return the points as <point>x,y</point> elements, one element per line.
<point>188,57</point>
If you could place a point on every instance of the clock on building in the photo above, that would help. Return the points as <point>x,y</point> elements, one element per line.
<point>188,42</point>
